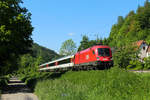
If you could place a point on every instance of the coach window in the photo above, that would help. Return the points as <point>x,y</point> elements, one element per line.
<point>65,61</point>
<point>52,64</point>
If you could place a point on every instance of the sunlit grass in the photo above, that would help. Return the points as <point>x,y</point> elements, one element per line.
<point>113,84</point>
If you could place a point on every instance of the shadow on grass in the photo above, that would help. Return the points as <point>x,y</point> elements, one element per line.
<point>31,82</point>
<point>56,75</point>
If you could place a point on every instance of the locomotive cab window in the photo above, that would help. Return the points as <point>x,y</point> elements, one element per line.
<point>103,52</point>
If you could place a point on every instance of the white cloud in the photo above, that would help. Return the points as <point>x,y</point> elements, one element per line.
<point>71,34</point>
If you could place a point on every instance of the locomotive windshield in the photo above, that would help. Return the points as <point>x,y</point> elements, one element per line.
<point>103,52</point>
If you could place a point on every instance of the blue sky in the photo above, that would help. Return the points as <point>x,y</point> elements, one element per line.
<point>55,21</point>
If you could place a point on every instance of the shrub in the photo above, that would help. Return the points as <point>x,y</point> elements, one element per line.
<point>124,54</point>
<point>147,63</point>
<point>135,65</point>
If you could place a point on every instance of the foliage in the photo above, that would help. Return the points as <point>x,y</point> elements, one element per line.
<point>15,33</point>
<point>125,54</point>
<point>68,48</point>
<point>135,65</point>
<point>28,66</point>
<point>135,26</point>
<point>28,70</point>
<point>113,84</point>
<point>86,43</point>
<point>147,63</point>
<point>29,63</point>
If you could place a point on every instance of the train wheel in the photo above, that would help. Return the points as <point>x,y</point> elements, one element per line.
<point>95,68</point>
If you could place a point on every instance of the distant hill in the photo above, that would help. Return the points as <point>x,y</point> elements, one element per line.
<point>46,54</point>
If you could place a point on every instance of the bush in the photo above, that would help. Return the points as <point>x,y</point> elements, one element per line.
<point>135,65</point>
<point>147,63</point>
<point>124,54</point>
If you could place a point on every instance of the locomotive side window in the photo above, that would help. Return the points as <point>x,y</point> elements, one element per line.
<point>93,52</point>
<point>103,52</point>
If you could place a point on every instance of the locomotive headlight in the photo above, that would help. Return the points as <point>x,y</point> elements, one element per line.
<point>97,58</point>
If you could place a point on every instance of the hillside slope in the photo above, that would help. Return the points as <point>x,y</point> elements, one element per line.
<point>28,64</point>
<point>46,54</point>
<point>135,26</point>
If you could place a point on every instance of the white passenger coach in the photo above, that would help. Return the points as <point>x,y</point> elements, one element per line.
<point>62,63</point>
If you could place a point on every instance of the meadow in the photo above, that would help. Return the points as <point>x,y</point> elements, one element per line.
<point>112,84</point>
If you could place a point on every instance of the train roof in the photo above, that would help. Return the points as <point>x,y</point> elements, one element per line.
<point>63,58</point>
<point>100,46</point>
<point>96,46</point>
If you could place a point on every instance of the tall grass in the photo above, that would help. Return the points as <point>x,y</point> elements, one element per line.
<point>113,84</point>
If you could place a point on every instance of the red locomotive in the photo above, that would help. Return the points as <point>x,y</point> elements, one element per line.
<point>98,56</point>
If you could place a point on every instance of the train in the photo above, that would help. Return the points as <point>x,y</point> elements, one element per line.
<point>95,57</point>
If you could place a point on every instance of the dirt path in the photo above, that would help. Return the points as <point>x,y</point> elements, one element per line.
<point>17,90</point>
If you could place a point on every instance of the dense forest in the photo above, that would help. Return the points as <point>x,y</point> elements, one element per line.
<point>133,27</point>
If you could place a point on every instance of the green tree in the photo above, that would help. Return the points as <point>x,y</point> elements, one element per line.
<point>15,33</point>
<point>120,20</point>
<point>124,54</point>
<point>29,66</point>
<point>68,48</point>
<point>84,44</point>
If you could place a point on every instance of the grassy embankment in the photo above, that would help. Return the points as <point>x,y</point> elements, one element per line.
<point>113,84</point>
